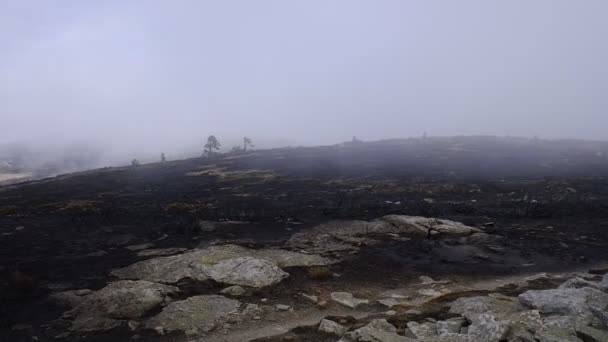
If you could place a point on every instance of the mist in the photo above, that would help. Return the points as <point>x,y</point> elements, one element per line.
<point>140,78</point>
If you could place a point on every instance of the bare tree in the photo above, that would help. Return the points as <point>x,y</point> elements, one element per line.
<point>212,144</point>
<point>135,162</point>
<point>163,159</point>
<point>247,143</point>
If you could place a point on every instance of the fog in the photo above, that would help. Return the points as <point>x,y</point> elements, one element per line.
<point>137,78</point>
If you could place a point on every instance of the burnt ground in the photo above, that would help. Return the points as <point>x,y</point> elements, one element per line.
<point>549,200</point>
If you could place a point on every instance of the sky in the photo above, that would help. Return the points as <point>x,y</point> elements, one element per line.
<point>145,76</point>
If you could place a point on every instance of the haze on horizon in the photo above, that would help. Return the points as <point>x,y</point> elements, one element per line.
<point>161,76</point>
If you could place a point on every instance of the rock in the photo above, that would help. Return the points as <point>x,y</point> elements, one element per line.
<point>140,247</point>
<point>160,252</point>
<point>604,282</point>
<point>422,331</point>
<point>193,313</point>
<point>472,307</point>
<point>69,298</point>
<point>450,326</point>
<point>577,283</point>
<point>347,299</point>
<point>123,299</point>
<point>311,298</point>
<point>487,328</point>
<point>600,314</point>
<point>389,302</point>
<point>523,325</point>
<point>218,263</point>
<point>413,312</point>
<point>429,292</point>
<point>247,271</point>
<point>234,291</point>
<point>282,307</point>
<point>426,280</point>
<point>590,334</point>
<point>378,330</point>
<point>422,226</point>
<point>564,301</point>
<point>330,327</point>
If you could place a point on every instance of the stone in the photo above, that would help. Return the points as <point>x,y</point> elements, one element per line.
<point>247,271</point>
<point>590,334</point>
<point>422,331</point>
<point>450,326</point>
<point>577,283</point>
<point>487,328</point>
<point>311,298</point>
<point>221,263</point>
<point>430,292</point>
<point>564,301</point>
<point>234,291</point>
<point>282,307</point>
<point>389,302</point>
<point>378,330</point>
<point>347,299</point>
<point>601,315</point>
<point>472,307</point>
<point>193,313</point>
<point>332,328</point>
<point>124,299</point>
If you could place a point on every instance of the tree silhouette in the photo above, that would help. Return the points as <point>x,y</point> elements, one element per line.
<point>162,158</point>
<point>247,143</point>
<point>212,144</point>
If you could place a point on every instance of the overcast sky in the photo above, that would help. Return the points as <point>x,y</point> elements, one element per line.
<point>168,73</point>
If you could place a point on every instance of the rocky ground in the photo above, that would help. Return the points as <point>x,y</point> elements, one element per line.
<point>227,250</point>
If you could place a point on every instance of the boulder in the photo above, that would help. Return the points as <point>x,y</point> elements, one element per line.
<point>246,271</point>
<point>564,301</point>
<point>378,330</point>
<point>577,283</point>
<point>450,326</point>
<point>191,314</point>
<point>332,328</point>
<point>347,299</point>
<point>222,264</point>
<point>124,299</point>
<point>422,330</point>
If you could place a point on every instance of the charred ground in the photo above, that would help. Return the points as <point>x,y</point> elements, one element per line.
<point>548,199</point>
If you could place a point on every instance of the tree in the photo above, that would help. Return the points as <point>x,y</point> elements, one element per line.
<point>163,159</point>
<point>247,142</point>
<point>212,144</point>
<point>135,162</point>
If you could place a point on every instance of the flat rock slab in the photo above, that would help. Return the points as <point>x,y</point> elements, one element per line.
<point>347,299</point>
<point>565,301</point>
<point>222,264</point>
<point>124,299</point>
<point>194,313</point>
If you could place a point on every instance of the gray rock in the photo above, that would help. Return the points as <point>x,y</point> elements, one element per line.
<point>378,330</point>
<point>471,307</point>
<point>487,328</point>
<point>210,263</point>
<point>347,299</point>
<point>601,315</point>
<point>330,327</point>
<point>234,291</point>
<point>577,283</point>
<point>590,334</point>
<point>450,326</point>
<point>247,271</point>
<point>282,307</point>
<point>198,312</point>
<point>421,331</point>
<point>564,301</point>
<point>124,299</point>
<point>523,325</point>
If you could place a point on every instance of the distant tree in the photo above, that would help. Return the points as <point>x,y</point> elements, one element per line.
<point>163,159</point>
<point>135,162</point>
<point>212,144</point>
<point>424,135</point>
<point>247,143</point>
